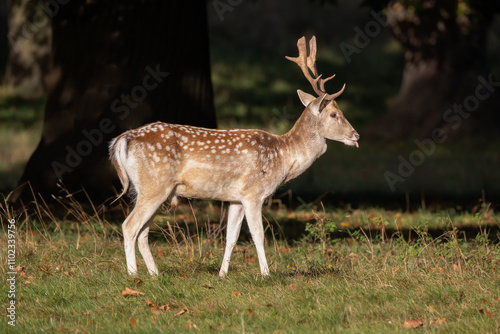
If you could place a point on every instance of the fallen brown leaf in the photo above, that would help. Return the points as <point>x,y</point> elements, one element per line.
<point>181,312</point>
<point>236,293</point>
<point>409,323</point>
<point>132,292</point>
<point>45,270</point>
<point>165,308</point>
<point>486,313</point>
<point>155,310</point>
<point>160,253</point>
<point>207,286</point>
<point>86,313</point>
<point>286,250</point>
<point>20,270</point>
<point>73,312</point>
<point>150,303</point>
<point>251,312</point>
<point>137,281</point>
<point>133,322</point>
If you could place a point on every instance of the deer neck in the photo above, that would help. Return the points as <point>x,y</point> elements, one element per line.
<point>303,144</point>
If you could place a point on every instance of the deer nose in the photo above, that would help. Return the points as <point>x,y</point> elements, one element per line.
<point>356,135</point>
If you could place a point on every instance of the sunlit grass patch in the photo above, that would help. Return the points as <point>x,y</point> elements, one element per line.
<point>71,274</point>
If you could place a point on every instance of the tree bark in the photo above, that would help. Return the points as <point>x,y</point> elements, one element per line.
<point>445,59</point>
<point>116,65</point>
<point>29,38</point>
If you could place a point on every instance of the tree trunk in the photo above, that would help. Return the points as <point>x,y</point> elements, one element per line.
<point>29,38</point>
<point>445,62</point>
<point>116,65</point>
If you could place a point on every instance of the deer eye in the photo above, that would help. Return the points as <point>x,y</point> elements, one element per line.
<point>333,115</point>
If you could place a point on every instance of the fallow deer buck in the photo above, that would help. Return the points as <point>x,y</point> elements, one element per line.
<point>243,167</point>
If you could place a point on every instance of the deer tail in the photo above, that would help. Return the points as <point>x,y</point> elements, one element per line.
<point>118,156</point>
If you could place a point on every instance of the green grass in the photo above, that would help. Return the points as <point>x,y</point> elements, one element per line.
<point>371,280</point>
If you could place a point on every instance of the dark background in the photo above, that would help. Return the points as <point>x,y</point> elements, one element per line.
<point>254,86</point>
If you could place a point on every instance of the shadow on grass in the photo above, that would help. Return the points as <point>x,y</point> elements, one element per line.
<point>294,230</point>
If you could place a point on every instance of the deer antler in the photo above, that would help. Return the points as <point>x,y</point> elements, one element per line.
<point>308,63</point>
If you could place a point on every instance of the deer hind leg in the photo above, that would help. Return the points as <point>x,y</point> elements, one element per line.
<point>234,220</point>
<point>137,224</point>
<point>143,244</point>
<point>253,214</point>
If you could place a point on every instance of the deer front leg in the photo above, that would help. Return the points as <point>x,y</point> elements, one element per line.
<point>253,213</point>
<point>234,220</point>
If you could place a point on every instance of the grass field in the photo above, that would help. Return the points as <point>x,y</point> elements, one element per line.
<point>356,271</point>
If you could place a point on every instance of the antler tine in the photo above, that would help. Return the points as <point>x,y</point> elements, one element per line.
<point>311,59</point>
<point>337,94</point>
<point>322,82</point>
<point>307,64</point>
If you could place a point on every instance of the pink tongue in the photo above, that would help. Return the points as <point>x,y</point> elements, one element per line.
<point>356,143</point>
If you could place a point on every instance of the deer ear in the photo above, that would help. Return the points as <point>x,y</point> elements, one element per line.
<point>305,98</point>
<point>317,105</point>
